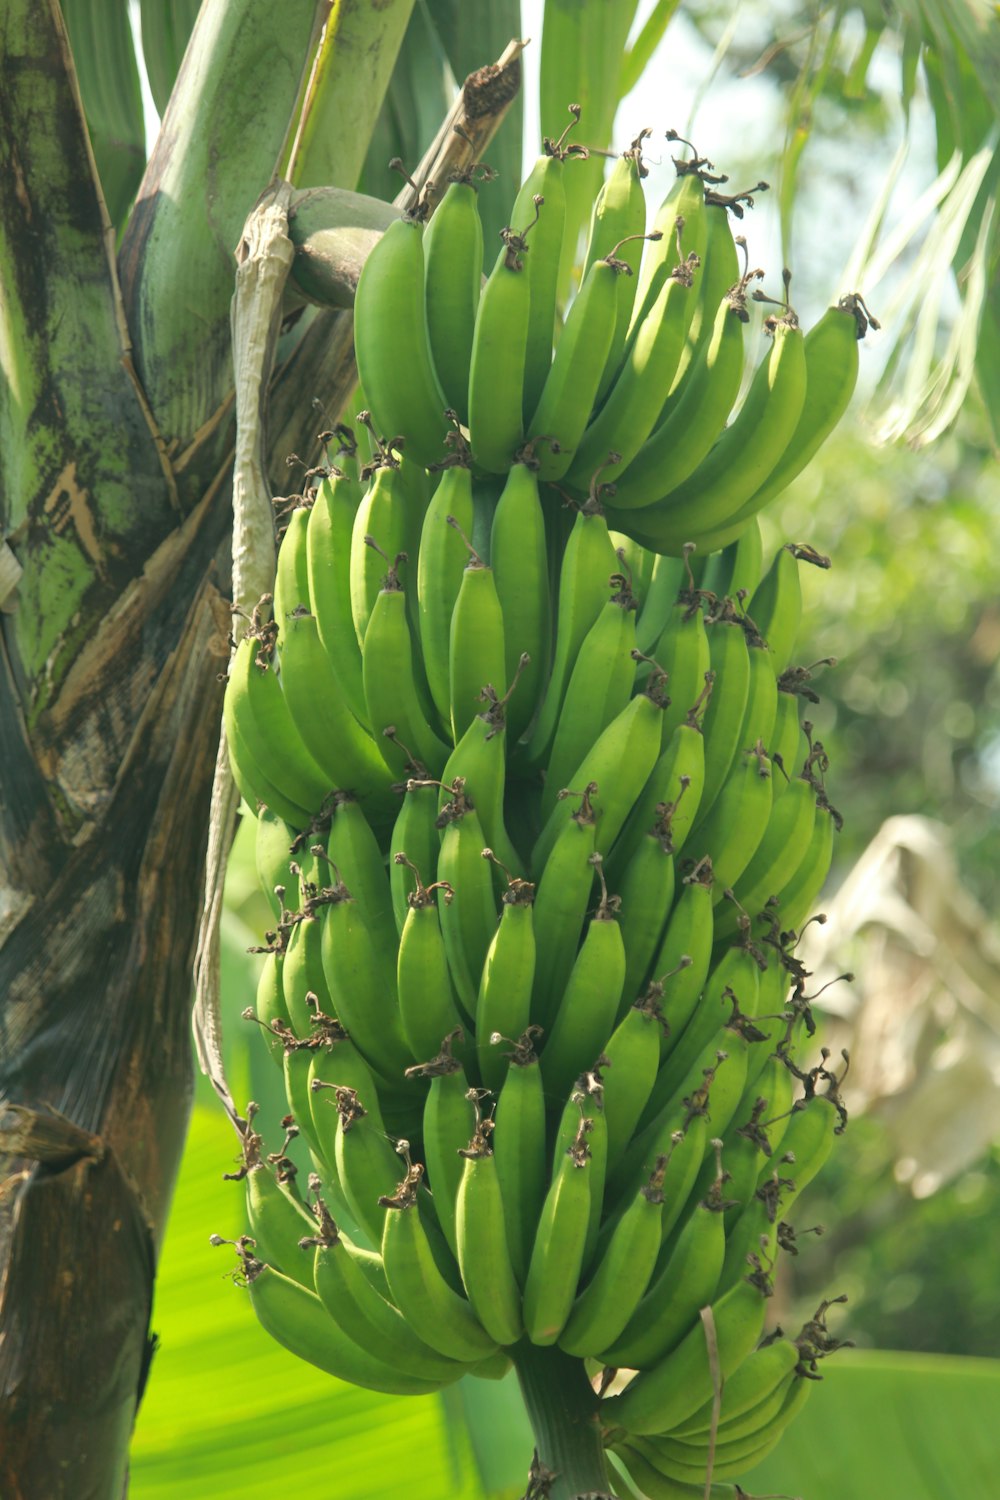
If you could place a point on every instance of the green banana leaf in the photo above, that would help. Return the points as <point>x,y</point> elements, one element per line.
<point>228,1414</point>
<point>104,57</point>
<point>896,1426</point>
<point>165,28</point>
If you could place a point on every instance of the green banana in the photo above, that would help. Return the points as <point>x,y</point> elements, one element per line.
<point>831,371</point>
<point>647,894</point>
<point>390,686</point>
<point>478,760</point>
<point>291,578</point>
<point>750,1425</point>
<point>393,351</point>
<point>361,979</point>
<point>726,1056</point>
<point>741,460</point>
<point>720,272</point>
<point>631,1060</point>
<point>260,727</point>
<point>686,201</point>
<point>588,561</point>
<point>757,1378</point>
<point>503,1005</point>
<point>778,855</point>
<point>632,740</point>
<point>607,1302</point>
<point>681,1135</point>
<point>731,989</point>
<point>650,361</point>
<point>776,607</point>
<point>688,936</point>
<point>335,1063</point>
<point>659,1398</point>
<point>683,651</point>
<point>276,1216</point>
<point>690,1272</point>
<point>756,1226</point>
<point>636,563</point>
<point>353,850</point>
<point>809,1138</point>
<point>448,1121</point>
<point>468,915</point>
<point>367,1165</point>
<point>587,1097</point>
<point>498,368</point>
<point>802,889</point>
<point>380,515</point>
<point>746,1145</point>
<point>762,691</point>
<point>476,644</point>
<point>776,604</point>
<point>753,1139</point>
<point>415,834</point>
<point>453,267</point>
<point>675,783</point>
<point>519,1148</point>
<point>561,901</point>
<point>270,1003</point>
<point>545,182</point>
<point>365,1315</point>
<point>339,744</point>
<point>599,689</point>
<point>483,1256</point>
<point>725,711</point>
<point>560,1242</point>
<point>296,1064</point>
<point>438,1315</point>
<point>256,790</point>
<point>665,580</point>
<point>689,1464</point>
<point>678,445</point>
<point>788,743</point>
<point>582,355</point>
<point>303,982</point>
<point>427,1007</point>
<point>739,817</point>
<point>441,562</point>
<point>656,1486</point>
<point>297,1319</point>
<point>617,219</point>
<point>519,560</point>
<point>328,561</point>
<point>272,854</point>
<point>589,1004</point>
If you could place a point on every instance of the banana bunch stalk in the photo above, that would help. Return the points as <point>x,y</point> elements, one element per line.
<point>539,821</point>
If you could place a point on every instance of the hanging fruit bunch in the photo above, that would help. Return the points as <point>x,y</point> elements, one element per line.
<point>540,824</point>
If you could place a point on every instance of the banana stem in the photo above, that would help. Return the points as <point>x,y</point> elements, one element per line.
<point>562,1409</point>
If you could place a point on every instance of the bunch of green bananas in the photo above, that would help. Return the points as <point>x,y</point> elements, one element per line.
<point>539,825</point>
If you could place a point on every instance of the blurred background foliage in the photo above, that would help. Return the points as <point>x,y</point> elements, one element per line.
<point>910,610</point>
<point>829,103</point>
